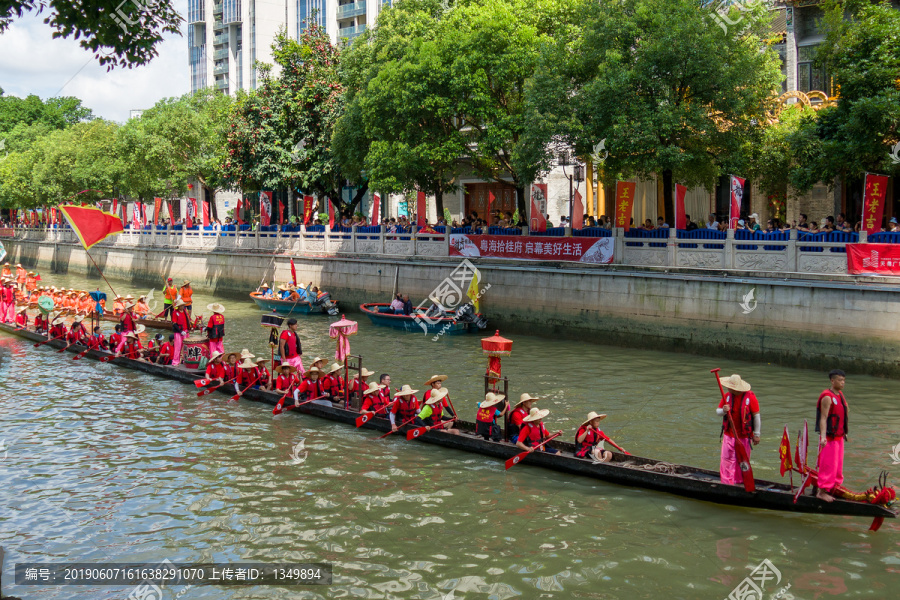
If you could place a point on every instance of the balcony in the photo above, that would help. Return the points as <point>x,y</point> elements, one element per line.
<point>220,38</point>
<point>348,11</point>
<point>221,69</point>
<point>351,32</point>
<point>218,9</point>
<point>220,54</point>
<point>222,84</point>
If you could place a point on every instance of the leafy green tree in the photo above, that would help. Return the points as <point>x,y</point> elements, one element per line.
<point>16,181</point>
<point>856,135</point>
<point>670,91</point>
<point>119,33</point>
<point>55,113</point>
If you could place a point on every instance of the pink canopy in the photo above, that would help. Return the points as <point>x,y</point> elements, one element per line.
<point>340,330</point>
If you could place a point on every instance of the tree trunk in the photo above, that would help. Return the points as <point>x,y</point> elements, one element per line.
<point>439,203</point>
<point>520,203</point>
<point>668,198</point>
<point>357,198</point>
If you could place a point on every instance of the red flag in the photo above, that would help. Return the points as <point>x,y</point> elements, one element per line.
<point>873,202</point>
<point>784,451</point>
<point>800,452</point>
<point>205,213</point>
<point>577,211</point>
<point>115,206</point>
<point>538,221</point>
<point>307,210</point>
<point>624,202</point>
<point>737,196</point>
<point>421,208</point>
<point>157,208</point>
<point>53,215</point>
<point>680,217</point>
<point>169,210</point>
<point>293,272</point>
<point>248,211</point>
<point>376,209</point>
<point>91,225</point>
<point>330,213</point>
<point>191,206</point>
<point>135,216</point>
<point>280,212</point>
<point>265,208</point>
<point>490,201</point>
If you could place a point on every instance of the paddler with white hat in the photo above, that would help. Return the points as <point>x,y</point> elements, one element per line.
<point>373,399</point>
<point>77,333</point>
<point>215,368</point>
<point>132,344</point>
<point>354,384</point>
<point>520,410</point>
<point>433,412</point>
<point>215,327</point>
<point>127,321</point>
<point>248,375</point>
<point>265,378</point>
<point>406,407</point>
<point>534,432</point>
<point>333,382</point>
<point>589,436</point>
<point>486,418</point>
<point>287,379</point>
<point>311,386</point>
<point>742,405</point>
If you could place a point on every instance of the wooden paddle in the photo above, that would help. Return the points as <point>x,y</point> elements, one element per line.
<point>280,402</point>
<point>367,416</point>
<point>743,457</point>
<point>398,429</point>
<point>81,354</point>
<point>618,447</point>
<point>414,433</point>
<point>61,350</point>
<point>237,396</point>
<point>47,341</point>
<point>293,406</point>
<point>208,391</point>
<point>518,457</point>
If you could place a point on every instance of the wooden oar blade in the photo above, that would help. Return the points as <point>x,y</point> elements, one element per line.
<point>80,355</point>
<point>876,523</point>
<point>747,474</point>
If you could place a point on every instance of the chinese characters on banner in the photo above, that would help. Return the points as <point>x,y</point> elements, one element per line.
<point>680,216</point>
<point>191,213</point>
<point>873,202</point>
<point>624,202</point>
<point>873,259</point>
<point>307,210</point>
<point>538,221</point>
<point>157,208</point>
<point>737,196</point>
<point>265,208</point>
<point>579,249</point>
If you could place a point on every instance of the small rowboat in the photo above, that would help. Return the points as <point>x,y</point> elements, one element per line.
<point>626,470</point>
<point>453,323</point>
<point>289,307</point>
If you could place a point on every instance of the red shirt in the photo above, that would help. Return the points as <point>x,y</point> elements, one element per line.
<point>533,432</point>
<point>96,342</point>
<point>285,382</point>
<point>215,370</point>
<point>132,349</point>
<point>742,412</point>
<point>291,344</point>
<point>165,354</point>
<point>263,375</point>
<point>21,320</point>
<point>332,384</point>
<point>406,407</point>
<point>376,401</point>
<point>312,389</point>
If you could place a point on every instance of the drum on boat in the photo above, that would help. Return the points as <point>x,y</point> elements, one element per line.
<point>195,351</point>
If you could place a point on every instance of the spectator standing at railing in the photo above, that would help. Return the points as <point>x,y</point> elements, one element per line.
<point>217,226</point>
<point>893,226</point>
<point>689,225</point>
<point>803,224</point>
<point>661,223</point>
<point>753,225</point>
<point>648,225</point>
<point>711,222</point>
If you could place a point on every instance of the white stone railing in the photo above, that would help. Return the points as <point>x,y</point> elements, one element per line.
<point>787,256</point>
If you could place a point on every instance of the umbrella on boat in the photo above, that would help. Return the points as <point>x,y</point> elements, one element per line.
<point>495,347</point>
<point>341,330</point>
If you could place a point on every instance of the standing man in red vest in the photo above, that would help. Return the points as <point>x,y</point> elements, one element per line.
<point>743,406</point>
<point>289,347</point>
<point>832,424</point>
<point>181,326</point>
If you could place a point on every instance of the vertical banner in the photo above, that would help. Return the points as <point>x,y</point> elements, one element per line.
<point>873,202</point>
<point>53,216</point>
<point>421,208</point>
<point>248,211</point>
<point>737,196</point>
<point>265,209</point>
<point>680,217</point>
<point>538,221</point>
<point>280,212</point>
<point>308,210</point>
<point>239,212</point>
<point>491,199</point>
<point>624,203</point>
<point>191,211</point>
<point>330,213</point>
<point>157,208</point>
<point>577,211</point>
<point>376,209</point>
<point>115,206</point>
<point>135,216</point>
<point>205,213</point>
<point>171,214</point>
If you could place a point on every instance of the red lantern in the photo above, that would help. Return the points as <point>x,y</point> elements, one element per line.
<point>495,347</point>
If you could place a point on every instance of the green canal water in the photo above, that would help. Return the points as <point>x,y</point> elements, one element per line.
<point>103,464</point>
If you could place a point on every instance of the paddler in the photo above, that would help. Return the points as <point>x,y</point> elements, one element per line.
<point>333,382</point>
<point>30,282</point>
<point>289,348</point>
<point>588,436</point>
<point>153,346</point>
<point>133,347</point>
<point>181,326</point>
<point>406,406</point>
<point>287,379</point>
<point>187,292</point>
<point>41,325</point>
<point>118,305</point>
<point>165,352</point>
<point>7,271</point>
<point>215,370</point>
<point>534,432</point>
<point>433,412</point>
<point>142,309</point>
<point>86,304</point>
<point>354,384</point>
<point>215,327</point>
<point>486,417</point>
<point>517,417</point>
<point>375,401</point>
<point>265,378</point>
<point>21,276</point>
<point>310,386</point>
<point>96,341</point>
<point>127,322</point>
<point>58,328</point>
<point>115,338</point>
<point>170,294</point>
<point>77,333</point>
<point>232,371</point>
<point>22,317</point>
<point>743,407</point>
<point>832,425</point>
<point>246,375</point>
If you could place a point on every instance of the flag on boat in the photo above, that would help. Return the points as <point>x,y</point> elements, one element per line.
<point>473,292</point>
<point>293,272</point>
<point>91,225</point>
<point>784,451</point>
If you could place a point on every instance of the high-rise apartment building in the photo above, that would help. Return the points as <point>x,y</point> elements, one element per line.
<point>227,37</point>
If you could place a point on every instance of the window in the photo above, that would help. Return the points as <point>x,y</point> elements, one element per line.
<point>809,75</point>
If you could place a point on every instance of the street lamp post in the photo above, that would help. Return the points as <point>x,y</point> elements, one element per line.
<point>577,176</point>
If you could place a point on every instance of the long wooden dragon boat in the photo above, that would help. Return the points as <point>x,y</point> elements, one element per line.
<point>627,470</point>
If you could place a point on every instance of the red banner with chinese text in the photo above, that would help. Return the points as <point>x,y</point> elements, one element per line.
<point>157,208</point>
<point>873,259</point>
<point>265,208</point>
<point>307,210</point>
<point>624,203</point>
<point>873,202</point>
<point>526,247</point>
<point>538,221</point>
<point>737,198</point>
